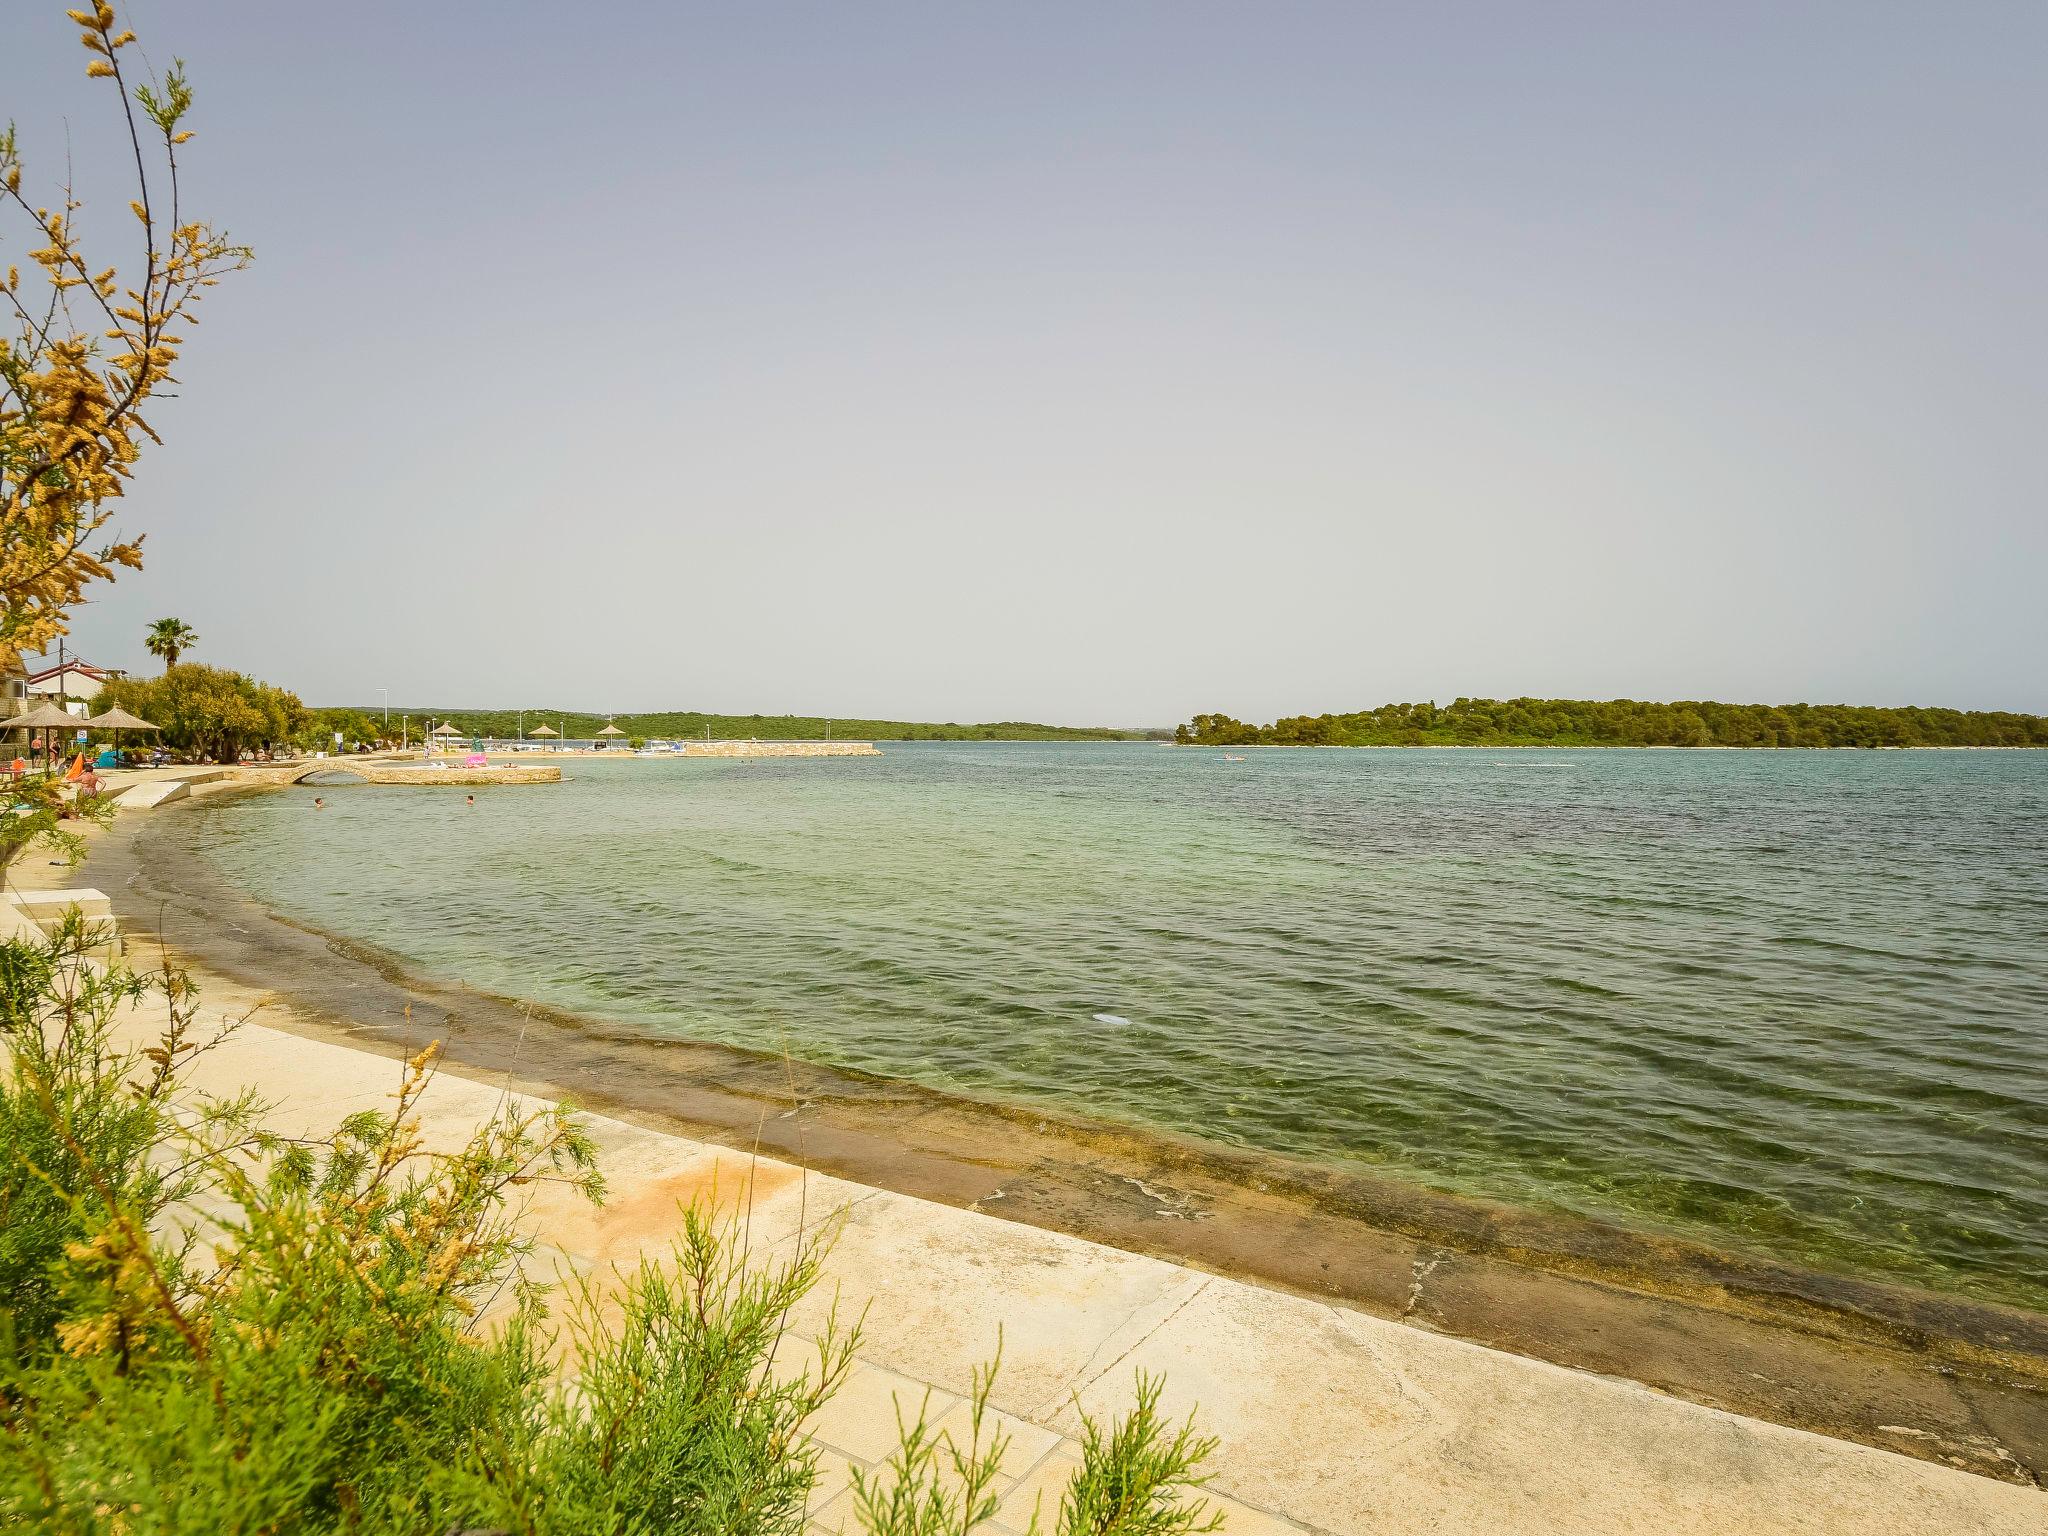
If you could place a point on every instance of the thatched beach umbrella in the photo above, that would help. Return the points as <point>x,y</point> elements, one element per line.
<point>611,730</point>
<point>543,730</point>
<point>445,729</point>
<point>118,720</point>
<point>45,718</point>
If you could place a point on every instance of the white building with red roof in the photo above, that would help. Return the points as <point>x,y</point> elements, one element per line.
<point>67,680</point>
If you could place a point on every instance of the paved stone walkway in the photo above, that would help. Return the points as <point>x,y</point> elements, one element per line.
<point>1330,1420</point>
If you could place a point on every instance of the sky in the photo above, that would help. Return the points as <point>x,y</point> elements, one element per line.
<point>1093,364</point>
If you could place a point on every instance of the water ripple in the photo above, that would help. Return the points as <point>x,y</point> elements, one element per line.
<point>1794,1001</point>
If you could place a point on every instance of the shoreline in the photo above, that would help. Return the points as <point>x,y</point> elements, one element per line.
<point>1327,1421</point>
<point>1944,1378</point>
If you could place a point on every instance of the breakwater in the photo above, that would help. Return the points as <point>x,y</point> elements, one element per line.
<point>387,770</point>
<point>781,749</point>
<point>695,749</point>
<point>436,773</point>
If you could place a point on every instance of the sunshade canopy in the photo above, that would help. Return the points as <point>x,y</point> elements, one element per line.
<point>445,729</point>
<point>543,730</point>
<point>44,717</point>
<point>611,730</point>
<point>118,719</point>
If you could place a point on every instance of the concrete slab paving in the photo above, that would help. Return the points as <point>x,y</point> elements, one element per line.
<point>945,1287</point>
<point>48,907</point>
<point>1343,1421</point>
<point>650,1181</point>
<point>151,793</point>
<point>1037,1491</point>
<point>861,1419</point>
<point>1026,1444</point>
<point>1329,1420</point>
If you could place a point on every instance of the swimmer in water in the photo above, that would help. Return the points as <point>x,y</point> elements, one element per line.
<point>319,804</point>
<point>472,799</point>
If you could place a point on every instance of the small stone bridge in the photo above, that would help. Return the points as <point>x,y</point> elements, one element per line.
<point>159,787</point>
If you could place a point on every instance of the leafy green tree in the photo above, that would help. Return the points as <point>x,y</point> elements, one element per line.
<point>690,725</point>
<point>320,726</point>
<point>81,359</point>
<point>211,711</point>
<point>1628,723</point>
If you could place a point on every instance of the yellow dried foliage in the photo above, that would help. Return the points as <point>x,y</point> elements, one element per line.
<point>86,352</point>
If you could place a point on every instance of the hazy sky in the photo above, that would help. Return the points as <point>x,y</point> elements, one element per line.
<point>1096,363</point>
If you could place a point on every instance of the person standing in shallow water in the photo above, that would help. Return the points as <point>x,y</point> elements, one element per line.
<point>472,799</point>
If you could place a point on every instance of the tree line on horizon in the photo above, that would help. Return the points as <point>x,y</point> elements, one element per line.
<point>682,725</point>
<point>1626,723</point>
<point>219,713</point>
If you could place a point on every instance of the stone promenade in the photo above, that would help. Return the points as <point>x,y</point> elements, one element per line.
<point>1330,1420</point>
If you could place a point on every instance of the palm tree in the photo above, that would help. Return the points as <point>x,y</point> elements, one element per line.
<point>170,639</point>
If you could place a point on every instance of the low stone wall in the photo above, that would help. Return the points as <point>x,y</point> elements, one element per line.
<point>149,795</point>
<point>418,773</point>
<point>33,916</point>
<point>385,770</point>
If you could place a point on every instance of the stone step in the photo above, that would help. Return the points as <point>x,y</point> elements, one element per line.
<point>34,915</point>
<point>153,793</point>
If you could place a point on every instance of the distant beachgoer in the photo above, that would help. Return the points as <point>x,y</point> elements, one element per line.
<point>319,804</point>
<point>472,799</point>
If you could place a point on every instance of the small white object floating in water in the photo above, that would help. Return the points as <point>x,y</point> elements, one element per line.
<point>1109,1018</point>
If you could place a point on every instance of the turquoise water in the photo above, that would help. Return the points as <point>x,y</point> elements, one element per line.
<point>1793,1002</point>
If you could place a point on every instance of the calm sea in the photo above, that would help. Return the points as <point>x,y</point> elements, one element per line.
<point>1792,1002</point>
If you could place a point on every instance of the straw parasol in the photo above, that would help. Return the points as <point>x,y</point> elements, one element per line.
<point>445,729</point>
<point>611,730</point>
<point>543,730</point>
<point>118,720</point>
<point>44,718</point>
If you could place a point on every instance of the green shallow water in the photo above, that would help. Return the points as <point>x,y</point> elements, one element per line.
<point>1795,1003</point>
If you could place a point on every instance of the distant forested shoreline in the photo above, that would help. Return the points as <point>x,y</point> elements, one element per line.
<point>1626,723</point>
<point>690,725</point>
